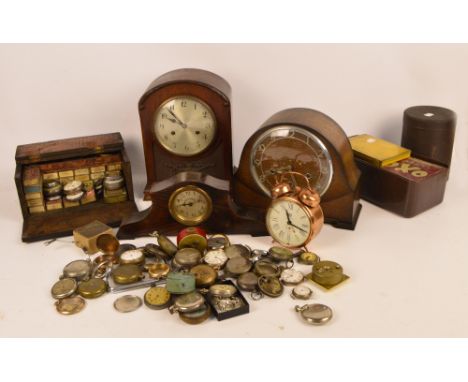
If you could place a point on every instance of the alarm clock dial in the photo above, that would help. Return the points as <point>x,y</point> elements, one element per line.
<point>185,125</point>
<point>190,205</point>
<point>291,148</point>
<point>289,223</point>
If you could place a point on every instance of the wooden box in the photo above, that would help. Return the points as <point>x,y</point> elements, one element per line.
<point>84,159</point>
<point>407,187</point>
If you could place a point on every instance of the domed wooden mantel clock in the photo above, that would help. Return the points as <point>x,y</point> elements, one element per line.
<point>186,127</point>
<point>311,143</point>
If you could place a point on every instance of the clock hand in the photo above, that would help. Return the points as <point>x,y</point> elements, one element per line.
<point>177,120</point>
<point>287,216</point>
<point>187,204</point>
<point>295,226</point>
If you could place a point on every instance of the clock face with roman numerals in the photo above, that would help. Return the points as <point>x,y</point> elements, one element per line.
<point>288,222</point>
<point>185,125</point>
<point>291,148</point>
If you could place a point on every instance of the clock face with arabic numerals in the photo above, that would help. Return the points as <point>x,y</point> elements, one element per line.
<point>185,125</point>
<point>290,148</point>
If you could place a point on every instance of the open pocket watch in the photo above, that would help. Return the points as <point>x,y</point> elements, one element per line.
<point>294,216</point>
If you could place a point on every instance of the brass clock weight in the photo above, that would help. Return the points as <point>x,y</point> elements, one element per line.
<point>185,120</point>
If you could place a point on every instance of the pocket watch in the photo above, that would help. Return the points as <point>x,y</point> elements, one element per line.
<point>270,285</point>
<point>124,247</point>
<point>222,290</point>
<point>107,244</point>
<point>196,317</point>
<point>70,305</point>
<point>187,257</point>
<point>327,274</point>
<point>237,250</point>
<point>215,258</point>
<point>294,217</point>
<point>237,265</point>
<point>315,314</point>
<point>280,254</point>
<point>133,256</point>
<point>64,288</point>
<point>127,274</point>
<point>308,258</point>
<point>258,254</point>
<point>92,288</point>
<point>180,283</point>
<point>218,241</point>
<point>267,268</point>
<point>192,237</point>
<point>291,277</point>
<point>127,303</point>
<point>153,250</point>
<point>188,302</point>
<point>157,298</point>
<point>165,243</point>
<point>204,275</point>
<point>190,205</point>
<point>247,281</point>
<point>301,292</point>
<point>158,270</point>
<point>78,270</point>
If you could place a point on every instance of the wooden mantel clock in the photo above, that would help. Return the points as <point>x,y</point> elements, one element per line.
<point>308,142</point>
<point>185,120</point>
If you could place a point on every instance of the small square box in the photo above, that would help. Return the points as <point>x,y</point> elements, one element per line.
<point>85,237</point>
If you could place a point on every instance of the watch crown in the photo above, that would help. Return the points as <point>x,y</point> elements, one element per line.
<point>309,198</point>
<point>280,190</point>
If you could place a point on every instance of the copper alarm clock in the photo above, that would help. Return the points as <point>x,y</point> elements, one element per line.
<point>308,142</point>
<point>185,120</point>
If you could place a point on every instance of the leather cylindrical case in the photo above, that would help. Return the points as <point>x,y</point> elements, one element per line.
<point>429,132</point>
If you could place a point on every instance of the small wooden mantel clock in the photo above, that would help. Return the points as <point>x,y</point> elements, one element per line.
<point>185,120</point>
<point>305,141</point>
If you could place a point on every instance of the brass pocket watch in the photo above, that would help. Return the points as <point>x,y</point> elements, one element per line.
<point>78,270</point>
<point>294,217</point>
<point>271,286</point>
<point>187,257</point>
<point>196,317</point>
<point>92,288</point>
<point>315,314</point>
<point>187,303</point>
<point>132,256</point>
<point>237,265</point>
<point>267,268</point>
<point>127,274</point>
<point>204,275</point>
<point>327,274</point>
<point>64,288</point>
<point>157,298</point>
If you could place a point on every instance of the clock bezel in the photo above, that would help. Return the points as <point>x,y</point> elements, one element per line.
<point>190,222</point>
<point>193,98</point>
<point>303,207</point>
<point>304,131</point>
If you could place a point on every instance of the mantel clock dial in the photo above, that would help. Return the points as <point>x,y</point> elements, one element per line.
<point>185,120</point>
<point>185,125</point>
<point>304,141</point>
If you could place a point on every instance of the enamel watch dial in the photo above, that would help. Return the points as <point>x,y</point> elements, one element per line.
<point>288,222</point>
<point>215,258</point>
<point>190,205</point>
<point>184,125</point>
<point>291,148</point>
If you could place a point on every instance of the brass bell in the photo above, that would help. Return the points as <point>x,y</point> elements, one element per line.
<point>280,190</point>
<point>309,197</point>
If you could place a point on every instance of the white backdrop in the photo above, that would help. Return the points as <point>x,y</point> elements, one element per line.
<point>408,277</point>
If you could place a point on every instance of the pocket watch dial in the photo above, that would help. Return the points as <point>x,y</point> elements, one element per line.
<point>190,205</point>
<point>291,148</point>
<point>288,223</point>
<point>185,125</point>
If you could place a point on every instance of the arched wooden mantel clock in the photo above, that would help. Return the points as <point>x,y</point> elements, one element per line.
<point>309,142</point>
<point>185,120</point>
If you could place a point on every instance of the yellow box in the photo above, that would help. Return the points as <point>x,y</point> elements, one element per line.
<point>97,175</point>
<point>33,195</point>
<point>377,152</point>
<point>66,174</point>
<point>35,202</point>
<point>98,169</point>
<point>122,197</point>
<point>55,205</point>
<point>50,175</point>
<point>36,210</point>
<point>114,166</point>
<point>114,173</point>
<point>68,204</point>
<point>67,179</point>
<point>82,171</point>
<point>82,177</point>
